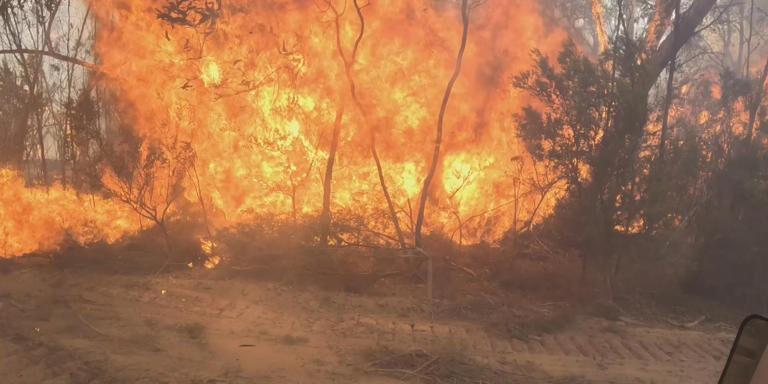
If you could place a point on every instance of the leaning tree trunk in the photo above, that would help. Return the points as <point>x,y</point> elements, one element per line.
<point>619,145</point>
<point>325,216</point>
<point>756,100</point>
<point>440,119</point>
<point>654,187</point>
<point>348,69</point>
<point>670,91</point>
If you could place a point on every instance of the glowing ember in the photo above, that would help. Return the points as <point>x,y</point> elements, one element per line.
<point>208,247</point>
<point>212,262</point>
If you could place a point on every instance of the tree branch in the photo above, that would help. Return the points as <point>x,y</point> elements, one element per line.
<point>689,20</point>
<point>51,54</point>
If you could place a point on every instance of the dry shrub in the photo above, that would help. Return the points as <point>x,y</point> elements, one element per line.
<point>288,253</point>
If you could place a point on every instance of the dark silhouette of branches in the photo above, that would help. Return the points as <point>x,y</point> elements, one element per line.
<point>191,13</point>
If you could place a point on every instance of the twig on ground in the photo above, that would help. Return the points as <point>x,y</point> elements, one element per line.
<point>465,269</point>
<point>85,322</point>
<point>426,364</point>
<point>689,325</point>
<point>404,372</point>
<point>630,321</point>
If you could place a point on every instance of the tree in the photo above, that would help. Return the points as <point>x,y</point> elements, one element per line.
<point>325,214</point>
<point>83,142</point>
<point>440,118</point>
<point>609,159</point>
<point>149,179</point>
<point>27,36</point>
<point>567,129</point>
<point>13,125</point>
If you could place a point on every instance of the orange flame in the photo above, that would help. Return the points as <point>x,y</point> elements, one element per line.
<point>256,92</point>
<point>33,219</point>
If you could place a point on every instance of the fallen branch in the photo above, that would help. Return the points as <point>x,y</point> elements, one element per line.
<point>400,371</point>
<point>371,367</point>
<point>630,321</point>
<point>688,325</point>
<point>85,322</point>
<point>426,364</point>
<point>465,269</point>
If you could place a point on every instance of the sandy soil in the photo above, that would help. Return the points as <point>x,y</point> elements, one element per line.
<point>76,326</point>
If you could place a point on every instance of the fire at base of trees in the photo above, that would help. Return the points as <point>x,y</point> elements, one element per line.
<point>620,133</point>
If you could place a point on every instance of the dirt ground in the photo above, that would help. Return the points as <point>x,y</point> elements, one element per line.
<point>75,325</point>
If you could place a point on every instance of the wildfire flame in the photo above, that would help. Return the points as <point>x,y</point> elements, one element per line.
<point>36,219</point>
<point>212,260</point>
<point>255,91</point>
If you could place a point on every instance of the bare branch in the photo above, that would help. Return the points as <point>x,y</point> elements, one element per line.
<point>51,54</point>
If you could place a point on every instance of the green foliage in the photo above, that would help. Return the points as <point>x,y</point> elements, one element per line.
<point>566,125</point>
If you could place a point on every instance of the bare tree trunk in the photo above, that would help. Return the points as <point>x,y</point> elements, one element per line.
<point>348,70</point>
<point>668,48</point>
<point>325,216</point>
<point>749,37</point>
<point>657,25</point>
<point>670,92</point>
<point>740,56</point>
<point>597,17</point>
<point>382,182</point>
<point>41,145</point>
<point>440,118</point>
<point>630,21</point>
<point>756,100</point>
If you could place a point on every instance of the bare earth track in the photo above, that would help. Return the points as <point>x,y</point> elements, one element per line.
<point>86,327</point>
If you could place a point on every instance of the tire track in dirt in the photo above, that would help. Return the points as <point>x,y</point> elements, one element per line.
<point>651,347</point>
<point>636,352</point>
<point>632,351</point>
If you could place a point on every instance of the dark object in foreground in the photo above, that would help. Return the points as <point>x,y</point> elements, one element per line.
<point>748,360</point>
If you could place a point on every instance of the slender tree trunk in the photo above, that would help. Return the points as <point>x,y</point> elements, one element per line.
<point>348,71</point>
<point>385,191</point>
<point>41,144</point>
<point>757,99</point>
<point>740,56</point>
<point>630,22</point>
<point>656,180</point>
<point>440,119</point>
<point>597,17</point>
<point>670,93</point>
<point>325,216</point>
<point>748,61</point>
